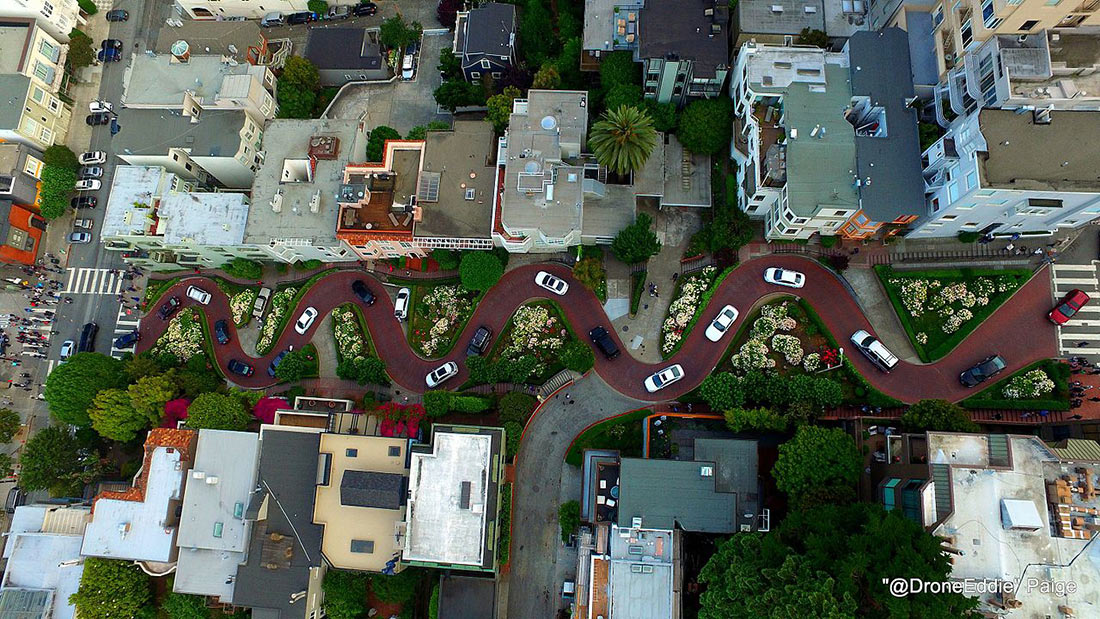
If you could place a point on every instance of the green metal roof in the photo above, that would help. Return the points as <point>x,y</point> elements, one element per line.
<point>665,493</point>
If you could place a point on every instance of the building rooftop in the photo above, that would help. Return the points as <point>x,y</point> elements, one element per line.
<point>284,180</point>
<point>611,24</point>
<point>459,171</point>
<point>454,488</point>
<point>132,202</point>
<point>466,597</point>
<point>344,48</point>
<point>640,578</point>
<point>735,470</point>
<point>667,494</point>
<point>41,561</point>
<point>205,77</point>
<point>15,87</point>
<point>224,38</point>
<point>14,181</point>
<point>361,500</point>
<point>206,218</point>
<point>377,198</point>
<point>153,132</point>
<point>139,524</point>
<point>213,533</point>
<point>14,39</point>
<point>761,16</point>
<point>490,29</point>
<point>1026,155</point>
<point>686,31</point>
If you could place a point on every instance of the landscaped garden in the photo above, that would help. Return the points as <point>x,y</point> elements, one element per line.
<point>182,339</point>
<point>438,315</point>
<point>623,434</point>
<point>692,294</point>
<point>281,303</point>
<point>356,358</point>
<point>241,299</point>
<point>939,308</point>
<point>1043,385</point>
<point>530,348</point>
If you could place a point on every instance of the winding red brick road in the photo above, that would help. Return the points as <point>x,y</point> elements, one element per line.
<point>1018,330</point>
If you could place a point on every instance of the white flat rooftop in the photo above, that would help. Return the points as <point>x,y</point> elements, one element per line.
<point>39,561</point>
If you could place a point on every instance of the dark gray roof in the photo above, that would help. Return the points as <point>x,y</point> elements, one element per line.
<point>288,471</point>
<point>490,29</point>
<point>466,597</point>
<point>15,87</point>
<point>373,489</point>
<point>342,48</point>
<point>670,493</point>
<point>880,70</point>
<point>757,16</point>
<point>681,29</point>
<point>922,51</point>
<point>153,132</point>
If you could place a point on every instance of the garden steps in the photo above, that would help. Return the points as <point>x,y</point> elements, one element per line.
<point>980,416</point>
<point>557,381</point>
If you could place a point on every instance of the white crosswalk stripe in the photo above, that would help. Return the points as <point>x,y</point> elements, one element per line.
<point>1084,327</point>
<point>50,366</point>
<point>125,323</point>
<point>93,281</point>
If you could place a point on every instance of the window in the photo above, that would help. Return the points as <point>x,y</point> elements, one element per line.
<point>971,179</point>
<point>937,16</point>
<point>47,9</point>
<point>37,94</point>
<point>394,451</point>
<point>971,224</point>
<point>32,167</point>
<point>496,75</point>
<point>485,64</point>
<point>351,453</point>
<point>363,546</point>
<point>49,50</point>
<point>43,72</point>
<point>967,34</point>
<point>1053,2</point>
<point>987,11</point>
<point>54,105</point>
<point>948,218</point>
<point>218,527</point>
<point>475,74</point>
<point>46,135</point>
<point>1029,24</point>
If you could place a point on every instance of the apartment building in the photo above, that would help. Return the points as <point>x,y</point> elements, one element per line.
<point>222,9</point>
<point>29,115</point>
<point>778,21</point>
<point>43,566</point>
<point>20,171</point>
<point>29,49</point>
<point>57,17</point>
<point>1001,172</point>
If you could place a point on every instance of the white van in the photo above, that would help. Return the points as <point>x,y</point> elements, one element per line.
<point>874,350</point>
<point>272,19</point>
<point>407,67</point>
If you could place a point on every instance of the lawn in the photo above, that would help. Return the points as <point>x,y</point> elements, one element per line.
<point>437,315</point>
<point>939,308</point>
<point>623,433</point>
<point>992,397</point>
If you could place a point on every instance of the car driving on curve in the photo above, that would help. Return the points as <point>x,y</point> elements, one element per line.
<point>92,157</point>
<point>305,321</point>
<point>362,292</point>
<point>664,378</point>
<point>983,371</point>
<point>551,283</point>
<point>784,277</point>
<point>479,342</point>
<point>442,373</point>
<point>221,331</point>
<point>401,304</point>
<point>170,306</point>
<point>874,350</point>
<point>1068,307</point>
<point>603,340</point>
<point>721,323</point>
<point>198,294</point>
<point>240,367</point>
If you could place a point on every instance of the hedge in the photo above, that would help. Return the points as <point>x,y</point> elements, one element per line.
<point>504,525</point>
<point>637,287</point>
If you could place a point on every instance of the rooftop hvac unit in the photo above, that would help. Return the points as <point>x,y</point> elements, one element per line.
<point>212,480</point>
<point>706,471</point>
<point>777,8</point>
<point>198,474</point>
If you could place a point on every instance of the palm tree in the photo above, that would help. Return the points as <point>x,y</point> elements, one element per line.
<point>623,139</point>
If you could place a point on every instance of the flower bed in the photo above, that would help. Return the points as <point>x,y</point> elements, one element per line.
<point>276,318</point>
<point>940,308</point>
<point>538,330</point>
<point>691,295</point>
<point>347,328</point>
<point>241,306</point>
<point>438,315</point>
<point>183,338</point>
<point>1041,385</point>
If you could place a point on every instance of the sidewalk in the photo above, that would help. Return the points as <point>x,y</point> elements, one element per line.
<point>876,305</point>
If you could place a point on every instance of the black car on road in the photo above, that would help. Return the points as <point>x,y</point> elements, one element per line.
<point>603,340</point>
<point>479,343</point>
<point>303,17</point>
<point>986,369</point>
<point>87,337</point>
<point>170,306</point>
<point>117,15</point>
<point>364,8</point>
<point>127,339</point>
<point>221,331</point>
<point>240,367</point>
<point>362,292</point>
<point>97,119</point>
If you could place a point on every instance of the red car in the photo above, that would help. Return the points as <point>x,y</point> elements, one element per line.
<point>1070,304</point>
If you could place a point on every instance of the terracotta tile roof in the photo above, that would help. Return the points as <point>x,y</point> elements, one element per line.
<point>181,440</point>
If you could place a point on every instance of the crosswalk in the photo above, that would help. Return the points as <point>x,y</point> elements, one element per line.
<point>93,281</point>
<point>1084,327</point>
<point>126,323</point>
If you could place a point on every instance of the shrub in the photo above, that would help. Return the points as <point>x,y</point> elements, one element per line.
<point>569,519</point>
<point>968,236</point>
<point>829,240</point>
<point>637,288</point>
<point>88,7</point>
<point>308,265</point>
<point>817,459</point>
<point>577,356</point>
<point>513,434</point>
<point>319,7</point>
<point>448,259</point>
<point>479,270</point>
<point>53,196</point>
<point>470,404</point>
<point>516,407</point>
<point>363,370</point>
<point>937,416</point>
<point>704,126</point>
<point>722,391</point>
<point>504,524</point>
<point>636,242</point>
<point>437,403</point>
<point>376,144</point>
<point>399,588</point>
<point>244,268</point>
<point>758,419</point>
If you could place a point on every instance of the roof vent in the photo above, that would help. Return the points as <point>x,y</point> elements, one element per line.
<point>706,471</point>
<point>548,123</point>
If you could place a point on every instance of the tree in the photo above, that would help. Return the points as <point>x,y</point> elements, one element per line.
<point>298,88</point>
<point>816,38</point>
<point>53,196</point>
<point>754,419</point>
<point>513,433</point>
<point>7,465</point>
<point>568,64</point>
<point>722,391</point>
<point>479,270</point>
<point>535,33</point>
<point>547,77</point>
<point>577,356</point>
<point>149,395</point>
<point>500,108</point>
<point>817,458</point>
<point>817,392</point>
<point>447,13</point>
<point>53,460</point>
<point>569,519</point>
<point>363,370</point>
<point>663,114</point>
<point>60,156</point>
<point>590,273</point>
<point>450,67</point>
<point>705,126</point>
<point>142,365</point>
<point>376,144</point>
<point>437,402</point>
<point>319,7</point>
<point>9,424</point>
<point>516,407</point>
<point>623,139</point>
<point>420,132</point>
<point>345,594</point>
<point>937,416</point>
<point>217,411</point>
<point>619,95</point>
<point>114,417</point>
<point>636,242</point>
<point>244,268</point>
<point>81,53</point>
<point>184,606</point>
<point>397,589</point>
<point>296,365</point>
<point>456,93</point>
<point>619,68</point>
<point>71,387</point>
<point>448,259</point>
<point>111,589</point>
<point>396,34</point>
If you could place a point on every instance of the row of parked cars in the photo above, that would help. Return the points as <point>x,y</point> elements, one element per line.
<point>276,18</point>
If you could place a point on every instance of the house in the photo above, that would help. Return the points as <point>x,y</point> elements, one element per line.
<point>344,55</point>
<point>211,10</point>
<point>684,47</point>
<point>43,563</point>
<point>57,17</point>
<point>140,524</point>
<point>20,172</point>
<point>29,49</point>
<point>238,40</point>
<point>21,232</point>
<point>213,531</point>
<point>776,21</point>
<point>194,85</point>
<point>29,115</point>
<point>485,40</point>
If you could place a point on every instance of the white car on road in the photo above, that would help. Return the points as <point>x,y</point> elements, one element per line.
<point>305,320</point>
<point>100,106</point>
<point>664,378</point>
<point>93,157</point>
<point>441,374</point>
<point>721,323</point>
<point>551,283</point>
<point>198,294</point>
<point>784,277</point>
<point>401,304</point>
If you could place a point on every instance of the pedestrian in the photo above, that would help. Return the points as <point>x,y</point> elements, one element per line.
<point>998,416</point>
<point>566,395</point>
<point>1082,344</point>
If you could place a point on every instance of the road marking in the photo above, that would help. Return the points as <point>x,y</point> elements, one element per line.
<point>50,366</point>
<point>1075,281</point>
<point>1080,322</point>
<point>93,281</point>
<point>1074,267</point>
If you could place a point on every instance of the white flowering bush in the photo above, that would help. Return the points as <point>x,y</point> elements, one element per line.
<point>535,331</point>
<point>684,307</point>
<point>753,355</point>
<point>241,304</point>
<point>443,307</point>
<point>812,362</point>
<point>280,305</point>
<point>182,338</point>
<point>350,342</point>
<point>922,338</point>
<point>790,347</point>
<point>956,320</point>
<point>787,324</point>
<point>1033,384</point>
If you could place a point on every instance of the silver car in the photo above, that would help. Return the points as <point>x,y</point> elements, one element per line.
<point>80,238</point>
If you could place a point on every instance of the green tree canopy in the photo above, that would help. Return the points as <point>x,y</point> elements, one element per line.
<point>577,356</point>
<point>297,364</point>
<point>53,460</point>
<point>396,589</point>
<point>345,594</point>
<point>10,423</point>
<point>184,606</point>
<point>536,40</point>
<point>244,268</point>
<point>619,95</point>
<point>298,88</point>
<point>420,132</point>
<point>722,391</point>
<point>619,68</point>
<point>500,108</point>
<point>113,416</point>
<point>937,416</point>
<point>149,395</point>
<point>817,38</point>
<point>53,195</point>
<point>705,126</point>
<point>319,7</point>
<point>817,459</point>
<point>112,589</point>
<point>72,386</point>
<point>448,259</point>
<point>455,93</point>
<point>636,242</point>
<point>376,144</point>
<point>569,519</point>
<point>81,53</point>
<point>61,156</point>
<point>396,34</point>
<point>479,270</point>
<point>664,115</point>
<point>515,406</point>
<point>590,273</point>
<point>547,77</point>
<point>755,419</point>
<point>623,139</point>
<point>363,370</point>
<point>217,411</point>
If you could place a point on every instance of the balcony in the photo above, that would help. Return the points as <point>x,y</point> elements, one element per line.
<point>947,48</point>
<point>772,156</point>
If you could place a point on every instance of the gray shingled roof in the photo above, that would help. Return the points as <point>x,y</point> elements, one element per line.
<point>373,489</point>
<point>489,29</point>
<point>669,493</point>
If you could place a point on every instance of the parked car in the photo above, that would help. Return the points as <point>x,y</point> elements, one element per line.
<point>302,17</point>
<point>407,67</point>
<point>100,106</point>
<point>127,339</point>
<point>983,371</point>
<point>92,157</point>
<point>87,337</point>
<point>305,321</point>
<point>276,361</point>
<point>664,378</point>
<point>117,15</point>
<point>84,202</point>
<point>551,283</point>
<point>874,350</point>
<point>339,11</point>
<point>441,374</point>
<point>479,342</point>
<point>1068,307</point>
<point>109,54</point>
<point>221,331</point>
<point>260,303</point>
<point>272,19</point>
<point>97,119</point>
<point>17,497</point>
<point>66,349</point>
<point>83,223</point>
<point>364,8</point>
<point>240,368</point>
<point>603,341</point>
<point>784,277</point>
<point>721,323</point>
<point>111,44</point>
<point>91,171</point>
<point>168,308</point>
<point>401,304</point>
<point>198,294</point>
<point>359,289</point>
<point>88,184</point>
<point>79,238</point>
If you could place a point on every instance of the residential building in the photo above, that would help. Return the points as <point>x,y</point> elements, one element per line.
<point>684,48</point>
<point>360,500</point>
<point>195,85</point>
<point>1000,172</point>
<point>29,115</point>
<point>239,40</point>
<point>213,531</point>
<point>282,576</point>
<point>344,55</point>
<point>29,49</point>
<point>782,21</point>
<point>1009,509</point>
<point>219,148</point>
<point>609,25</point>
<point>58,17</point>
<point>20,171</point>
<point>43,563</point>
<point>140,524</point>
<point>222,9</point>
<point>824,142</point>
<point>485,40</point>
<point>21,233</point>
<point>453,499</point>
